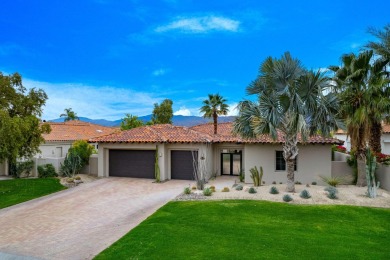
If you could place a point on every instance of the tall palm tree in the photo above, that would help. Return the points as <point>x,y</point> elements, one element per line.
<point>213,107</point>
<point>291,104</point>
<point>382,49</point>
<point>69,115</point>
<point>364,100</point>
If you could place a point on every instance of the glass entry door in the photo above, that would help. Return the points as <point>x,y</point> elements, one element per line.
<point>230,163</point>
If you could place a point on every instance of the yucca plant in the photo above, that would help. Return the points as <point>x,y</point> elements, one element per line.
<point>332,181</point>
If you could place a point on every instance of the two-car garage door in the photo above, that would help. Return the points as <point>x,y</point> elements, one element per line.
<point>140,164</point>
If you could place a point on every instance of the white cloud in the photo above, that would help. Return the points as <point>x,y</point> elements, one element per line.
<point>203,24</point>
<point>94,102</point>
<point>159,72</point>
<point>183,111</point>
<point>233,111</point>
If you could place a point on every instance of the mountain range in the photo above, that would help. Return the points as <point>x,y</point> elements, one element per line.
<point>177,120</point>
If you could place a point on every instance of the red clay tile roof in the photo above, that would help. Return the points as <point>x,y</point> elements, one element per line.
<point>197,134</point>
<point>385,129</point>
<point>76,130</point>
<point>225,135</point>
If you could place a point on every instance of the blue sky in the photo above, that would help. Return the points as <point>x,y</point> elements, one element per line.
<point>106,58</point>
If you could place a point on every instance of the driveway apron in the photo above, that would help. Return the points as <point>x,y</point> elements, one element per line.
<point>81,222</point>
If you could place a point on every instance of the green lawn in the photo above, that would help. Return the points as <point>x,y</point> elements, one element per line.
<point>19,190</point>
<point>237,229</point>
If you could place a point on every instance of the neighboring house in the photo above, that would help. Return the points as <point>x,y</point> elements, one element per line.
<point>60,139</point>
<point>63,135</point>
<point>132,153</point>
<point>385,139</point>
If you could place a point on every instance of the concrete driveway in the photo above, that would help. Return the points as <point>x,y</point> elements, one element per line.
<point>81,222</point>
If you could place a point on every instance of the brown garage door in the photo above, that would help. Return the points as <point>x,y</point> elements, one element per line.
<point>132,163</point>
<point>182,166</point>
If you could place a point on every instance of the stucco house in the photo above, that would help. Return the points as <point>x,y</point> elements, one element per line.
<point>385,139</point>
<point>132,153</point>
<point>60,139</point>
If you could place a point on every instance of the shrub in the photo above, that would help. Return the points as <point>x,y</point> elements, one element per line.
<point>78,178</point>
<point>274,182</point>
<point>225,189</point>
<point>24,168</point>
<point>69,180</point>
<point>212,188</point>
<point>83,149</point>
<point>314,183</point>
<point>339,148</point>
<point>332,192</point>
<point>187,190</point>
<point>280,182</point>
<point>287,198</point>
<point>242,175</point>
<point>193,187</point>
<point>332,181</point>
<point>256,175</point>
<point>46,171</point>
<point>298,183</point>
<point>308,185</point>
<point>274,190</point>
<point>252,190</point>
<point>239,187</point>
<point>305,194</point>
<point>207,192</point>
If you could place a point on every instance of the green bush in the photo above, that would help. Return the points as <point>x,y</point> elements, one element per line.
<point>252,190</point>
<point>274,190</point>
<point>46,171</point>
<point>83,149</point>
<point>187,190</point>
<point>23,168</point>
<point>239,187</point>
<point>207,192</point>
<point>305,194</point>
<point>287,198</point>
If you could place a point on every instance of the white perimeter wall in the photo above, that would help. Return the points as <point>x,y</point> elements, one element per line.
<point>313,160</point>
<point>385,142</point>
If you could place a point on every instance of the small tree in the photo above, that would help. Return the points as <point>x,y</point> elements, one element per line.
<point>130,122</point>
<point>72,164</point>
<point>163,113</point>
<point>69,115</point>
<point>82,149</point>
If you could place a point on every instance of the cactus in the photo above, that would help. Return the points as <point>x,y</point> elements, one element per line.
<point>156,167</point>
<point>370,174</point>
<point>256,175</point>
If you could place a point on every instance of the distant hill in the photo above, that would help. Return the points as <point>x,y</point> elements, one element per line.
<point>177,120</point>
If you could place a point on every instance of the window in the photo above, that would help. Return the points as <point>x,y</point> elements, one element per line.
<point>281,163</point>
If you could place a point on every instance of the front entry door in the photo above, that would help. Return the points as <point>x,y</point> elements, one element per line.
<point>231,163</point>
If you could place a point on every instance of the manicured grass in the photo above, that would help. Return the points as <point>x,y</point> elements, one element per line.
<point>237,229</point>
<point>19,190</point>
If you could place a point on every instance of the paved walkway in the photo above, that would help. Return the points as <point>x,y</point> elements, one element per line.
<point>81,222</point>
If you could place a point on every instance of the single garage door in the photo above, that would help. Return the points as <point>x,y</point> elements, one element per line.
<point>132,163</point>
<point>182,166</point>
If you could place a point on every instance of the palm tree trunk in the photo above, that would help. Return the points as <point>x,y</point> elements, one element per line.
<point>290,151</point>
<point>375,137</point>
<point>215,118</point>
<point>361,158</point>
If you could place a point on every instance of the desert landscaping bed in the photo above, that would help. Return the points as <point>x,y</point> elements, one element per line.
<point>347,195</point>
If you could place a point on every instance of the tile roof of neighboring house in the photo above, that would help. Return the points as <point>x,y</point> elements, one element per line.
<point>163,133</point>
<point>76,130</point>
<point>196,134</point>
<point>385,129</point>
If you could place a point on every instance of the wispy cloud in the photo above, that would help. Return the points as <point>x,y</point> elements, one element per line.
<point>159,72</point>
<point>200,25</point>
<point>95,102</point>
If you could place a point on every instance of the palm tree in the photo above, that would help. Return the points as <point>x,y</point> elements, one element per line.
<point>69,115</point>
<point>213,107</point>
<point>364,100</point>
<point>382,49</point>
<point>291,104</point>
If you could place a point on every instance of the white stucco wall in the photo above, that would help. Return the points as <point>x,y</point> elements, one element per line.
<point>49,149</point>
<point>385,142</point>
<point>313,160</point>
